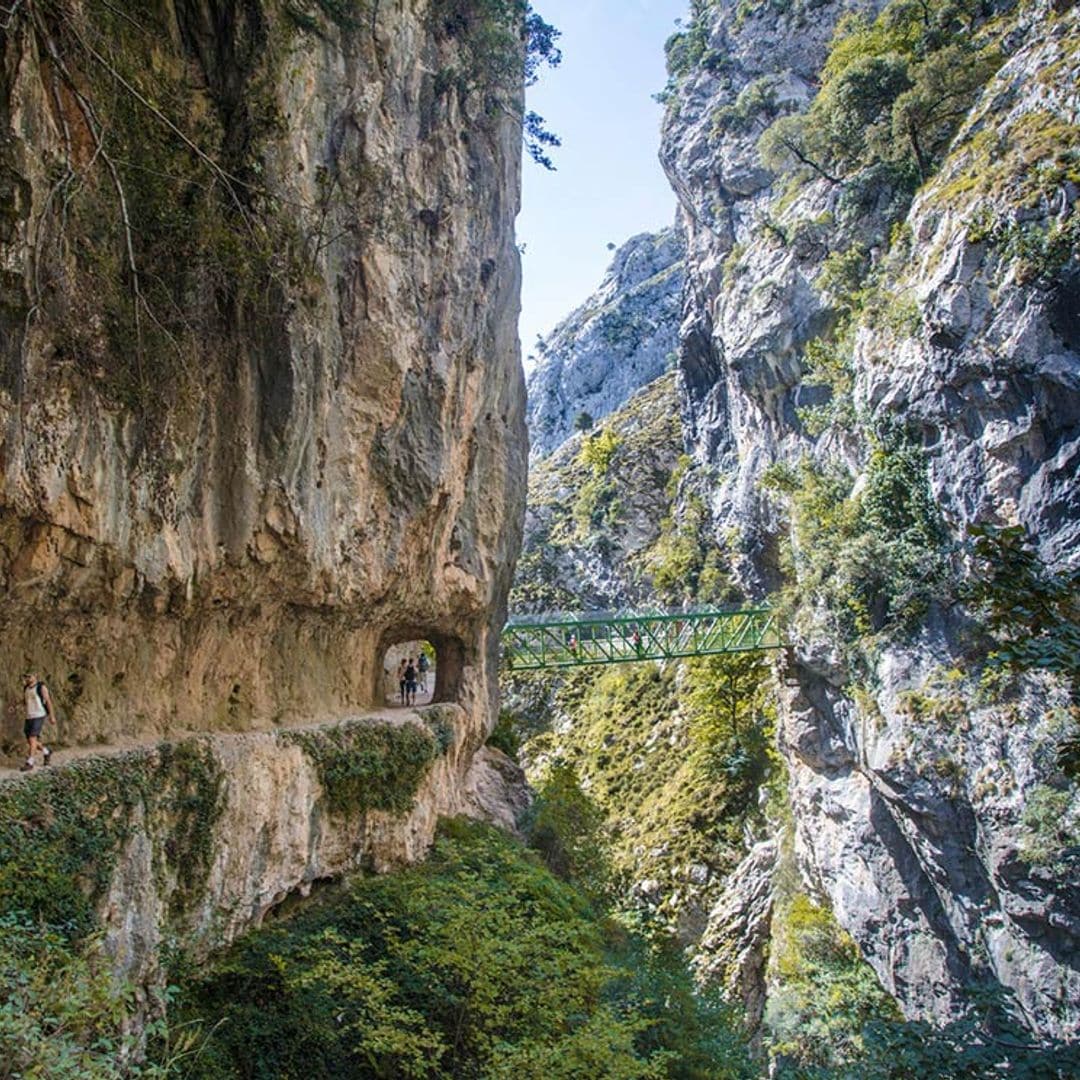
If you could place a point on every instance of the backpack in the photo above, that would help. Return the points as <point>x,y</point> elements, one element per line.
<point>41,697</point>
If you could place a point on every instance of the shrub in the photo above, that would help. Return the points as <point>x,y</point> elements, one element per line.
<point>478,963</point>
<point>367,765</point>
<point>1032,612</point>
<point>566,827</point>
<point>985,1043</point>
<point>685,563</point>
<point>893,91</point>
<point>503,43</point>
<point>61,830</point>
<point>875,560</point>
<point>1051,828</point>
<point>598,450</point>
<point>827,992</point>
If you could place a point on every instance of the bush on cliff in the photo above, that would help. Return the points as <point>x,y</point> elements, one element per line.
<point>894,91</point>
<point>871,559</point>
<point>477,964</point>
<point>62,1015</point>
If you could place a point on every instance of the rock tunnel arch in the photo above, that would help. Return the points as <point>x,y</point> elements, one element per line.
<point>445,651</point>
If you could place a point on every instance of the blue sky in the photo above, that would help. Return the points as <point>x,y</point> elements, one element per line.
<point>608,184</point>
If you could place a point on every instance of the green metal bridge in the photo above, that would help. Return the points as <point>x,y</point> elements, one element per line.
<point>530,643</point>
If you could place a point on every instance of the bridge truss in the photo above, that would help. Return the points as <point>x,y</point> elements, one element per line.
<point>531,643</point>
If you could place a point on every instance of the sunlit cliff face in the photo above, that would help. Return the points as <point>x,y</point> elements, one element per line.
<point>273,419</point>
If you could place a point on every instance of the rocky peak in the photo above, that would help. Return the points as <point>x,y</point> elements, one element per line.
<point>618,341</point>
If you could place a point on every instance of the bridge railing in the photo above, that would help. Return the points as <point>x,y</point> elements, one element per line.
<point>599,638</point>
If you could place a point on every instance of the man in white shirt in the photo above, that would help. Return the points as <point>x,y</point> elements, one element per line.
<point>39,708</point>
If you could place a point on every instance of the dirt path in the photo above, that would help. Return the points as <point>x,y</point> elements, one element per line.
<point>392,713</point>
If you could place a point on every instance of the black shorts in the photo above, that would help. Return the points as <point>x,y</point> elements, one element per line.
<point>32,727</point>
<point>411,687</point>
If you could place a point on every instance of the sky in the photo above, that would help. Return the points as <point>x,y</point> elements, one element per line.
<point>608,184</point>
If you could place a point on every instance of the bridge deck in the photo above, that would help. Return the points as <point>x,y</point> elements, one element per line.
<point>530,644</point>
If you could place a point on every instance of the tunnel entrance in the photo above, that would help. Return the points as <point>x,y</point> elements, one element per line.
<point>435,662</point>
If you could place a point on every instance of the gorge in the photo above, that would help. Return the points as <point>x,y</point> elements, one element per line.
<point>264,419</point>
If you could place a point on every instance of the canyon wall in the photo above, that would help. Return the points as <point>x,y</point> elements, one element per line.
<point>953,339</point>
<point>261,405</point>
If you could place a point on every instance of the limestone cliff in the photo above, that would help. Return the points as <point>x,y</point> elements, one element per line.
<point>595,508</point>
<point>618,341</point>
<point>261,404</point>
<point>846,319</point>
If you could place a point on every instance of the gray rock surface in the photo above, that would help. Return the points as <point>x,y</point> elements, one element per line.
<point>734,947</point>
<point>622,337</point>
<point>913,829</point>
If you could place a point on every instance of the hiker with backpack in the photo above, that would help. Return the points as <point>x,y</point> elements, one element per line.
<point>39,709</point>
<point>410,683</point>
<point>422,666</point>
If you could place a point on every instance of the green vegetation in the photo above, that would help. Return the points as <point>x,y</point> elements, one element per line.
<point>829,364</point>
<point>755,106</point>
<point>567,828</point>
<point>873,560</point>
<point>596,507</point>
<point>62,830</point>
<point>830,1019</point>
<point>688,49</point>
<point>1051,824</point>
<point>366,765</point>
<point>600,494</point>
<point>893,93</point>
<point>1033,612</point>
<point>1029,159</point>
<point>671,758</point>
<point>685,563</point>
<point>504,43</point>
<point>478,964</point>
<point>1033,615</point>
<point>986,1043</point>
<point>61,833</point>
<point>598,450</point>
<point>826,995</point>
<point>62,1016</point>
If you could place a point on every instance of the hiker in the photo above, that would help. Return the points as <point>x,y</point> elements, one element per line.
<point>39,708</point>
<point>402,683</point>
<point>635,640</point>
<point>410,683</point>
<point>422,666</point>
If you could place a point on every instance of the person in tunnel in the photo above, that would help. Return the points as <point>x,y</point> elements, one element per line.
<point>410,682</point>
<point>402,684</point>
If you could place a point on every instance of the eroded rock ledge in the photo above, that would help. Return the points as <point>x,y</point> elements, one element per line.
<point>189,844</point>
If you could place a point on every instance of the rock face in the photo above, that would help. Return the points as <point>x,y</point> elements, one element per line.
<point>589,530</point>
<point>261,412</point>
<point>192,843</point>
<point>619,340</point>
<point>733,950</point>
<point>912,827</point>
